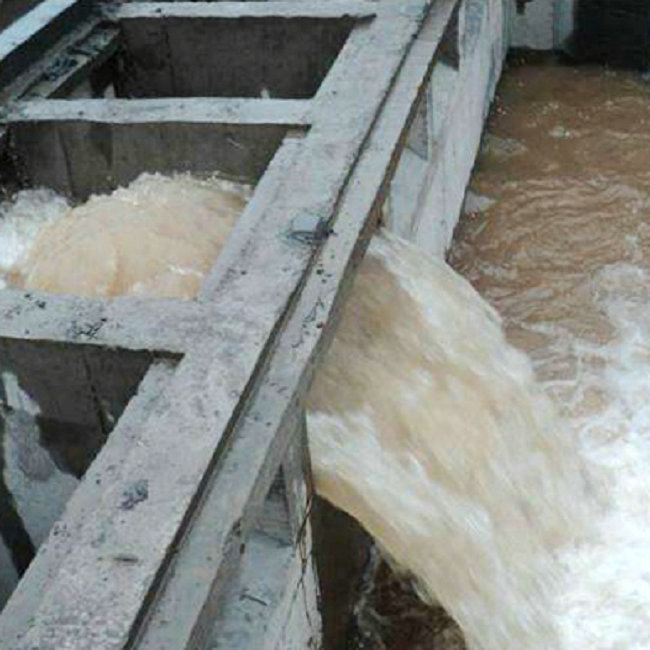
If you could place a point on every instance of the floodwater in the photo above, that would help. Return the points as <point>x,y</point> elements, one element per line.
<point>561,249</point>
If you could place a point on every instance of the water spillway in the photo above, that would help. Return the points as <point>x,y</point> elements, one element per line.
<point>189,415</point>
<point>408,472</point>
<point>207,501</point>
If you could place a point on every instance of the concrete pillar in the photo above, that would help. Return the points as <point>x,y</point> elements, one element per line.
<point>429,185</point>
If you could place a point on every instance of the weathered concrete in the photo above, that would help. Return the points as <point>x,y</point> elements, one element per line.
<point>218,378</point>
<point>10,10</point>
<point>428,190</point>
<point>128,323</point>
<point>542,24</point>
<point>279,49</point>
<point>80,147</point>
<point>200,498</point>
<point>30,36</point>
<point>18,611</point>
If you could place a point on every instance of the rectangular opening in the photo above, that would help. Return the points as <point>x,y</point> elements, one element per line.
<point>185,56</point>
<point>138,204</point>
<point>58,405</point>
<point>84,147</point>
<point>191,49</point>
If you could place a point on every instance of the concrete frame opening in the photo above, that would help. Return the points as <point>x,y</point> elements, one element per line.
<point>248,346</point>
<point>191,53</point>
<point>59,405</point>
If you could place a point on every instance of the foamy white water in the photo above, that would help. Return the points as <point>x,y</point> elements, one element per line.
<point>608,603</point>
<point>430,429</point>
<point>21,219</point>
<point>561,248</point>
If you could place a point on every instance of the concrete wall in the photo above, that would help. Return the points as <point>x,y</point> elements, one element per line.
<point>428,190</point>
<point>274,596</point>
<point>541,24</point>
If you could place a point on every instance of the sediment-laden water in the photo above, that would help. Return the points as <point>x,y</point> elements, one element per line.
<point>558,241</point>
<point>424,423</point>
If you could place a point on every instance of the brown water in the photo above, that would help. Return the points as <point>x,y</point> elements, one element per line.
<point>556,237</point>
<point>567,164</point>
<point>562,252</point>
<point>157,237</point>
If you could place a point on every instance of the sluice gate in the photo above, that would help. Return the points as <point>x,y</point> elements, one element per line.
<point>191,526</point>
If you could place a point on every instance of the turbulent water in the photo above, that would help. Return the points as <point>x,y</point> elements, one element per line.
<point>21,220</point>
<point>430,430</point>
<point>424,424</point>
<point>157,237</point>
<point>560,245</point>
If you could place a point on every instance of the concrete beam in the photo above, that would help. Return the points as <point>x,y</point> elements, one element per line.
<point>66,68</point>
<point>82,147</point>
<point>235,10</point>
<point>213,579</point>
<point>23,42</point>
<point>190,110</point>
<point>10,10</point>
<point>164,326</point>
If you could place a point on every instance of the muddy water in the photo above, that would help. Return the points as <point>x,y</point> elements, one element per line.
<point>158,237</point>
<point>558,240</point>
<point>566,165</point>
<point>437,440</point>
<point>556,236</point>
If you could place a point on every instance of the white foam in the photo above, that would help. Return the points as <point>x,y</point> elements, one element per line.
<point>21,219</point>
<point>608,604</point>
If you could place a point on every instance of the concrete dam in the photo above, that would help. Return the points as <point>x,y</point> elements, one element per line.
<point>245,401</point>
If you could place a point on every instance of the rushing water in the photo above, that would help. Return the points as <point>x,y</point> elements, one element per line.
<point>424,423</point>
<point>157,237</point>
<point>561,249</point>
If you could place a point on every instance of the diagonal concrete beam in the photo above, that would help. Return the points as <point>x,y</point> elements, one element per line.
<point>31,35</point>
